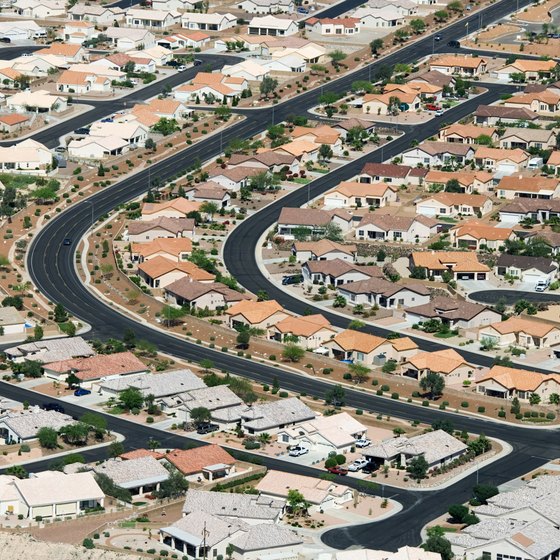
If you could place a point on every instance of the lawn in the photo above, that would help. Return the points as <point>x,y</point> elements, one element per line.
<point>445,335</point>
<point>447,220</point>
<point>301,181</point>
<point>17,181</point>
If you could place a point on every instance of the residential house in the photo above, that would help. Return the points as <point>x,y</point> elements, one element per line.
<point>553,162</point>
<point>39,9</point>
<point>125,39</point>
<point>274,162</point>
<point>270,417</point>
<point>310,221</point>
<point>193,294</point>
<point>163,109</point>
<point>141,231</point>
<point>310,331</point>
<point>457,314</point>
<point>509,383</point>
<point>97,148</point>
<point>525,138</point>
<point>160,55</point>
<point>391,173</point>
<point>303,150</point>
<point>547,237</point>
<point>12,321</point>
<point>403,553</point>
<point>333,26</point>
<point>320,135</point>
<point>504,161</point>
<point>521,331</point>
<point>50,350</point>
<point>436,78</point>
<point>28,157</point>
<point>73,82</point>
<point>381,292</point>
<point>527,269</point>
<point>10,78</point>
<point>208,22</point>
<point>181,5</point>
<point>477,236</point>
<point>463,265</point>
<point>133,132</point>
<point>346,125</point>
<point>519,188</point>
<point>466,133</point>
<point>460,65</point>
<point>437,447</point>
<point>175,249</point>
<point>99,15</point>
<point>323,250</point>
<point>210,87</point>
<point>18,427</point>
<point>531,70</point>
<point>355,346</point>
<point>151,19</point>
<point>14,123</point>
<point>38,101</point>
<point>140,476</point>
<point>350,194</point>
<point>171,208</point>
<point>373,17</point>
<point>192,39</point>
<point>255,314</point>
<point>234,178</point>
<point>492,115</point>
<point>267,6</point>
<point>272,25</point>
<point>447,363</point>
<point>544,103</point>
<point>250,70</point>
<point>384,103</point>
<point>452,205</point>
<point>160,272</point>
<point>470,182</point>
<point>386,227</point>
<point>94,368</point>
<point>78,32</point>
<point>433,154</point>
<point>209,192</point>
<point>320,494</point>
<point>68,54</point>
<point>336,272</point>
<point>202,463</point>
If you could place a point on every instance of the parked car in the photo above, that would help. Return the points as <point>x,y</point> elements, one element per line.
<point>181,68</point>
<point>207,428</point>
<point>341,471</point>
<point>197,62</point>
<point>439,112</point>
<point>298,450</point>
<point>363,442</point>
<point>82,131</point>
<point>5,40</point>
<point>358,464</point>
<point>53,406</point>
<point>542,285</point>
<point>432,107</point>
<point>369,468</point>
<point>81,392</point>
<point>292,279</point>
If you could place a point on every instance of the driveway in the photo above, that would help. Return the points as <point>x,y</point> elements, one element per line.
<point>471,286</point>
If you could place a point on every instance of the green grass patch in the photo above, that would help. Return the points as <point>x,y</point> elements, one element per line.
<point>315,170</point>
<point>17,181</point>
<point>449,529</point>
<point>301,180</point>
<point>127,524</point>
<point>537,420</point>
<point>447,220</point>
<point>115,410</point>
<point>445,335</point>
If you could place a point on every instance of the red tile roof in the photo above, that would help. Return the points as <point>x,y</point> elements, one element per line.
<point>192,461</point>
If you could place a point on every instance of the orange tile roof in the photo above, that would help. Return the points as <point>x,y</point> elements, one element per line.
<point>323,134</point>
<point>520,324</point>
<point>158,266</point>
<point>298,148</point>
<point>255,311</point>
<point>172,245</point>
<point>303,326</point>
<point>71,77</point>
<point>517,155</point>
<point>467,130</point>
<point>534,65</point>
<point>519,379</point>
<point>180,204</point>
<point>13,118</point>
<point>10,73</point>
<point>192,461</point>
<point>139,453</point>
<point>61,49</point>
<point>163,105</point>
<point>480,230</point>
<point>528,184</point>
<point>353,188</point>
<point>465,178</point>
<point>545,96</point>
<point>403,343</point>
<point>442,361</point>
<point>359,341</point>
<point>385,98</point>
<point>453,199</point>
<point>463,261</point>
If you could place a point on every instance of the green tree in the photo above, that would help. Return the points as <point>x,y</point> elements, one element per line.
<point>268,86</point>
<point>129,338</point>
<point>418,26</point>
<point>29,368</point>
<point>60,315</point>
<point>375,46</point>
<point>417,467</point>
<point>165,126</point>
<point>48,438</point>
<point>131,398</point>
<point>337,57</point>
<point>243,389</point>
<point>150,144</point>
<point>223,112</point>
<point>109,488</point>
<point>433,383</point>
<point>264,181</point>
<point>483,492</point>
<point>243,339</point>
<point>329,98</point>
<point>296,502</point>
<point>325,152</point>
<point>116,448</point>
<point>554,399</point>
<point>200,415</point>
<point>293,353</point>
<point>339,301</point>
<point>17,471</point>
<point>441,15</point>
<point>534,399</point>
<point>95,421</point>
<point>175,486</point>
<point>484,140</point>
<point>515,406</point>
<point>72,380</point>
<point>75,434</point>
<point>333,232</point>
<point>453,186</point>
<point>362,86</point>
<point>301,233</point>
<point>458,512</point>
<point>210,208</point>
<point>436,542</point>
<point>359,372</point>
<point>38,332</point>
<point>336,395</point>
<point>206,364</point>
<point>171,316</point>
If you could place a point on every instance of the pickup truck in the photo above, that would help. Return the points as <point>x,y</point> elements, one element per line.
<point>341,471</point>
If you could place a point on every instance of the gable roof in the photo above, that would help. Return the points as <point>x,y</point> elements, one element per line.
<point>517,324</point>
<point>351,340</point>
<point>173,225</point>
<point>255,311</point>
<point>442,361</point>
<point>338,267</point>
<point>192,461</point>
<point>179,204</point>
<point>191,290</point>
<point>448,308</point>
<point>519,379</point>
<point>461,261</point>
<point>304,326</point>
<point>354,188</point>
<point>523,262</point>
<point>158,266</point>
<point>458,61</point>
<point>502,112</point>
<point>171,245</point>
<point>480,230</point>
<point>324,246</point>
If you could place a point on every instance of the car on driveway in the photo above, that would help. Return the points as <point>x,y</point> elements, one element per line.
<point>197,62</point>
<point>369,468</point>
<point>363,442</point>
<point>298,450</point>
<point>542,285</point>
<point>358,464</point>
<point>341,471</point>
<point>207,428</point>
<point>81,392</point>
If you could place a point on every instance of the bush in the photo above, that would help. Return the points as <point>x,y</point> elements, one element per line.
<point>347,376</point>
<point>283,394</point>
<point>501,413</point>
<point>359,411</point>
<point>375,382</point>
<point>425,403</point>
<point>330,462</point>
<point>385,388</point>
<point>465,404</point>
<point>415,394</point>
<point>379,392</point>
<point>250,445</point>
<point>395,396</point>
<point>481,409</point>
<point>550,416</point>
<point>149,420</point>
<point>340,459</point>
<point>88,543</point>
<point>96,536</point>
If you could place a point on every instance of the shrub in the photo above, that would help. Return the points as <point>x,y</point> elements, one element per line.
<point>249,445</point>
<point>395,396</point>
<point>96,536</point>
<point>359,411</point>
<point>465,404</point>
<point>385,388</point>
<point>425,403</point>
<point>150,420</point>
<point>415,394</point>
<point>502,413</point>
<point>481,409</point>
<point>88,543</point>
<point>347,376</point>
<point>375,382</point>
<point>379,392</point>
<point>283,394</point>
<point>550,416</point>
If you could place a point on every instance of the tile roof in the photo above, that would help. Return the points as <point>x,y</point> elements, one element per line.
<point>61,49</point>
<point>354,188</point>
<point>180,204</point>
<point>235,174</point>
<point>173,225</point>
<point>255,311</point>
<point>338,267</point>
<point>467,130</point>
<point>26,424</point>
<point>499,111</point>
<point>458,61</point>
<point>344,21</point>
<point>324,246</point>
<point>190,290</point>
<point>435,77</point>
<point>159,266</point>
<point>465,178</point>
<point>448,308</point>
<point>139,453</point>
<point>453,148</point>
<point>13,119</point>
<point>527,184</point>
<point>382,287</point>
<point>441,361</point>
<point>526,205</point>
<point>52,350</point>
<point>482,231</point>
<point>523,262</point>
<point>523,65</point>
<point>133,472</point>
<point>351,340</point>
<point>389,222</point>
<point>270,415</point>
<point>459,199</point>
<point>174,246</point>
<point>518,379</point>
<point>460,261</point>
<point>386,170</point>
<point>517,155</point>
<point>193,461</point>
<point>517,324</point>
<point>304,326</point>
<point>269,158</point>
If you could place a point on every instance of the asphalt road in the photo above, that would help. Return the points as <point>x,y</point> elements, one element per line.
<point>510,297</point>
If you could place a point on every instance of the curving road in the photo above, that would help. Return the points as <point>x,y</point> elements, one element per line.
<point>510,297</point>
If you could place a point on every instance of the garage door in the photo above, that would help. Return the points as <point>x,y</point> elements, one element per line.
<point>66,509</point>
<point>42,511</point>
<point>507,168</point>
<point>427,211</point>
<point>534,276</point>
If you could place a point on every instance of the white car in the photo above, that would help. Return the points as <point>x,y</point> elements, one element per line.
<point>181,68</point>
<point>542,285</point>
<point>358,464</point>
<point>363,442</point>
<point>298,450</point>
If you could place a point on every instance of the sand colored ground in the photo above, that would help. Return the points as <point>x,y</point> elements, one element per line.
<point>540,13</point>
<point>498,31</point>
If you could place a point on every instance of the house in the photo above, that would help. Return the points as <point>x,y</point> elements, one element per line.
<point>532,70</point>
<point>39,9</point>
<point>13,123</point>
<point>302,150</point>
<point>20,30</point>
<point>125,39</point>
<point>436,78</point>
<point>553,162</point>
<point>335,272</point>
<point>175,249</point>
<point>350,194</point>
<point>546,237</point>
<point>160,55</point>
<point>460,65</point>
<point>97,148</point>
<point>333,26</point>
<point>50,350</point>
<point>181,5</point>
<point>519,188</point>
<point>210,87</point>
<point>477,236</point>
<point>151,19</point>
<point>286,63</point>
<point>100,15</point>
<point>323,250</point>
<point>381,292</point>
<point>457,314</point>
<point>391,173</point>
<point>192,39</point>
<point>428,92</point>
<point>447,363</point>
<point>69,54</point>
<point>452,205</point>
<point>437,447</point>
<point>432,154</point>
<point>527,269</point>
<point>310,221</point>
<point>250,70</point>
<point>172,208</point>
<point>79,83</point>
<point>192,294</point>
<point>320,135</point>
<point>12,321</point>
<point>139,476</point>
<point>403,553</point>
<point>537,209</point>
<point>267,6</point>
<point>337,433</point>
<point>532,540</point>
<point>199,534</point>
<point>492,115</point>
<point>164,109</point>
<point>17,427</point>
<point>94,368</point>
<point>273,26</point>
<point>386,227</point>
<point>525,138</point>
<point>354,346</point>
<point>470,182</point>
<point>208,22</point>
<point>544,103</point>
<point>384,103</point>
<point>509,383</point>
<point>521,331</point>
<point>233,178</point>
<point>274,162</point>
<point>309,331</point>
<point>160,272</point>
<point>133,132</point>
<point>206,462</point>
<point>321,494</point>
<point>373,17</point>
<point>28,157</point>
<point>503,161</point>
<point>466,133</point>
<point>344,126</point>
<point>141,231</point>
<point>463,265</point>
<point>10,77</point>
<point>78,32</point>
<point>53,494</point>
<point>255,314</point>
<point>38,101</point>
<point>270,417</point>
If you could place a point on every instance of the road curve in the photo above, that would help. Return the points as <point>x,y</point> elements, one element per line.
<point>510,297</point>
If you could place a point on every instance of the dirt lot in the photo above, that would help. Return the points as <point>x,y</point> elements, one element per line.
<point>539,13</point>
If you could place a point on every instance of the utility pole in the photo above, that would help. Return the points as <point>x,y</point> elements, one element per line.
<point>204,535</point>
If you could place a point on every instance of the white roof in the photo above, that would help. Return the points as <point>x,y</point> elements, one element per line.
<point>26,152</point>
<point>126,32</point>
<point>40,98</point>
<point>403,553</point>
<point>208,18</point>
<point>52,350</point>
<point>26,424</point>
<point>133,472</point>
<point>252,67</point>
<point>276,413</point>
<point>271,22</point>
<point>53,487</point>
<point>107,143</point>
<point>11,316</point>
<point>151,14</point>
<point>121,130</point>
